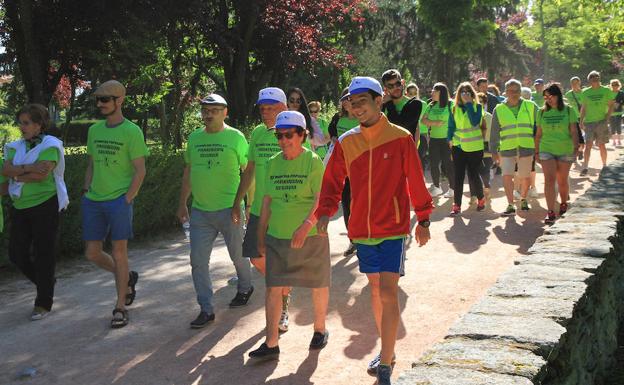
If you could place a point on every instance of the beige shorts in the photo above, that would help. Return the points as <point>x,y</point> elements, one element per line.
<point>597,132</point>
<point>508,165</point>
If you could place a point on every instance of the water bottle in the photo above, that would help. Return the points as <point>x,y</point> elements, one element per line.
<point>186,226</point>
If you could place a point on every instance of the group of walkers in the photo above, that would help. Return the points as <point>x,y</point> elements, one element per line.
<point>271,197</point>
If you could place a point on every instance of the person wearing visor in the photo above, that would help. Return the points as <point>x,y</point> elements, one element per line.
<point>262,146</point>
<point>114,175</point>
<point>295,254</point>
<point>215,152</point>
<point>386,179</point>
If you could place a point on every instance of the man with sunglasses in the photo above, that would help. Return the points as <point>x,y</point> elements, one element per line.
<point>403,111</point>
<point>114,175</point>
<point>216,152</point>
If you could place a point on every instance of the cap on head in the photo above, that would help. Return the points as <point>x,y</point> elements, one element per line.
<point>213,100</point>
<point>271,95</point>
<point>111,88</point>
<point>290,119</point>
<point>361,84</point>
<point>538,81</point>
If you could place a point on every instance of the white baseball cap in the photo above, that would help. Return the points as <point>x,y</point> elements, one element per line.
<point>271,95</point>
<point>213,99</point>
<point>290,119</point>
<point>361,84</point>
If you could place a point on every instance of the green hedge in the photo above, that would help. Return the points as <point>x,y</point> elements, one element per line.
<point>154,208</point>
<point>77,130</point>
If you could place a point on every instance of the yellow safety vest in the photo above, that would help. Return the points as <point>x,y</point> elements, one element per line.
<point>516,132</point>
<point>468,137</point>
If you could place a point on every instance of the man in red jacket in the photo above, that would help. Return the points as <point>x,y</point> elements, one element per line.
<point>381,161</point>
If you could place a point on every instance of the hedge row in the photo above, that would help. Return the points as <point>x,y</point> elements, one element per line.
<point>154,208</point>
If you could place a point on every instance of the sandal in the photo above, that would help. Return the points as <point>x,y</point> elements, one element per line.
<point>132,281</point>
<point>120,318</point>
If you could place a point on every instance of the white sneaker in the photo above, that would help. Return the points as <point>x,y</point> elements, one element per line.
<point>449,193</point>
<point>516,195</point>
<point>435,191</point>
<point>532,192</point>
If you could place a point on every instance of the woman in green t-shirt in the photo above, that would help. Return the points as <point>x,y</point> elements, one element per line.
<point>556,145</point>
<point>35,166</point>
<point>295,254</point>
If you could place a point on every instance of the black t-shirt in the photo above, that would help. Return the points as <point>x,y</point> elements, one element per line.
<point>409,116</point>
<point>619,99</point>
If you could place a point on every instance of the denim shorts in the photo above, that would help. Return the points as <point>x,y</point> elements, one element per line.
<point>388,256</point>
<point>100,218</point>
<point>568,158</point>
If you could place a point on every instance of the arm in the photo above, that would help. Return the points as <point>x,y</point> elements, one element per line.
<point>263,225</point>
<point>538,138</point>
<point>37,176</point>
<point>582,118</point>
<point>185,193</point>
<point>137,178</point>
<point>40,167</point>
<point>332,186</point>
<point>451,127</point>
<point>419,195</point>
<point>427,122</point>
<point>245,183</point>
<point>611,109</point>
<point>299,236</point>
<point>88,174</point>
<point>494,134</point>
<point>475,113</point>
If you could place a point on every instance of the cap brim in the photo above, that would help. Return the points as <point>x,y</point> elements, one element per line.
<point>204,103</point>
<point>285,126</point>
<point>268,101</point>
<point>359,91</point>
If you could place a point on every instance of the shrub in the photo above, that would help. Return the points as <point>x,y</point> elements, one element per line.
<point>76,131</point>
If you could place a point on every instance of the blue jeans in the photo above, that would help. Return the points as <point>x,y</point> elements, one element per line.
<point>205,226</point>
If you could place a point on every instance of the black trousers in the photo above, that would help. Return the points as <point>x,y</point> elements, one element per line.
<point>423,148</point>
<point>484,171</point>
<point>440,153</point>
<point>469,162</point>
<point>346,203</point>
<point>36,228</point>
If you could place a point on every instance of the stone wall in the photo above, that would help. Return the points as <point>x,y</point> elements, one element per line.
<point>553,317</point>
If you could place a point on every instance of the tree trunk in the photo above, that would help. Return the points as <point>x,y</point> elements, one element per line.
<point>70,110</point>
<point>545,61</point>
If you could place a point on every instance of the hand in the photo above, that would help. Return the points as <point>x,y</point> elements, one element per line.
<point>321,225</point>
<point>299,236</point>
<point>236,214</point>
<point>182,213</point>
<point>261,247</point>
<point>41,167</point>
<point>386,97</point>
<point>537,158</point>
<point>422,235</point>
<point>128,199</point>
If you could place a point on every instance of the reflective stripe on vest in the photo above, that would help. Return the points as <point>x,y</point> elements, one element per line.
<point>467,136</point>
<point>516,132</point>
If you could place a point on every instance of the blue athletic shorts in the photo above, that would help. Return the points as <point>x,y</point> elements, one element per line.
<point>98,218</point>
<point>388,256</point>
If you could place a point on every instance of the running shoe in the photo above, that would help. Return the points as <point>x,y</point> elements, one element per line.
<point>481,204</point>
<point>384,372</point>
<point>550,218</point>
<point>241,299</point>
<point>350,251</point>
<point>510,211</point>
<point>532,192</point>
<point>524,205</point>
<point>284,322</point>
<point>455,210</point>
<point>435,191</point>
<point>449,193</point>
<point>39,313</point>
<point>584,172</point>
<point>374,364</point>
<point>265,353</point>
<point>563,208</point>
<point>516,195</point>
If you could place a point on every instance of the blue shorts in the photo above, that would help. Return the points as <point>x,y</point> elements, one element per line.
<point>388,256</point>
<point>98,218</point>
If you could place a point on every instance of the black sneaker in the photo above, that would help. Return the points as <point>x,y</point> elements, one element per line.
<point>241,299</point>
<point>584,172</point>
<point>350,251</point>
<point>202,320</point>
<point>319,340</point>
<point>265,353</point>
<point>384,372</point>
<point>524,205</point>
<point>510,211</point>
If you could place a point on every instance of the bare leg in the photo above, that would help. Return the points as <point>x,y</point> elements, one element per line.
<point>320,298</point>
<point>373,282</point>
<point>95,253</point>
<point>273,309</point>
<point>260,264</point>
<point>549,167</point>
<point>508,184</point>
<point>563,172</point>
<point>391,313</point>
<point>603,153</point>
<point>524,186</point>
<point>120,256</point>
<point>588,148</point>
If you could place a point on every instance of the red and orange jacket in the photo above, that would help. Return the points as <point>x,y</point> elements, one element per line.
<point>385,174</point>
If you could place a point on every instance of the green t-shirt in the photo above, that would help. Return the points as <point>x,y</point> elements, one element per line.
<point>35,193</point>
<point>216,160</point>
<point>575,100</point>
<point>596,102</point>
<point>321,151</point>
<point>262,146</point>
<point>555,124</point>
<point>113,149</point>
<point>538,98</point>
<point>440,114</point>
<point>399,106</point>
<point>345,124</point>
<point>422,128</point>
<point>376,241</point>
<point>292,186</point>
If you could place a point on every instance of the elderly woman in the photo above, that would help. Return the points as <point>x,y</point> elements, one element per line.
<point>295,255</point>
<point>35,166</point>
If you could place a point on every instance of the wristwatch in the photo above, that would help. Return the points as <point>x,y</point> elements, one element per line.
<point>424,223</point>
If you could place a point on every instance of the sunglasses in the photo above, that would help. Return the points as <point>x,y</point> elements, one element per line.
<point>394,85</point>
<point>287,135</point>
<point>293,100</point>
<point>314,111</point>
<point>105,99</point>
<point>466,93</point>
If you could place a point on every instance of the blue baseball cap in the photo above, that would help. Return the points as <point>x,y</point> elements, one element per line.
<point>539,81</point>
<point>290,119</point>
<point>271,95</point>
<point>361,84</point>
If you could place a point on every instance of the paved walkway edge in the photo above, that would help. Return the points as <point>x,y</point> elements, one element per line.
<point>553,317</point>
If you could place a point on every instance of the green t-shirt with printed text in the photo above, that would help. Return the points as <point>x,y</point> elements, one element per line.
<point>216,160</point>
<point>437,113</point>
<point>575,100</point>
<point>292,186</point>
<point>113,149</point>
<point>555,125</point>
<point>596,102</point>
<point>35,193</point>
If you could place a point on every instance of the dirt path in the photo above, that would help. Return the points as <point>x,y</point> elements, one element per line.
<point>74,345</point>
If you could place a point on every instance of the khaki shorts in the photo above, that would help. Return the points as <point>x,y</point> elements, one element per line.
<point>597,132</point>
<point>508,165</point>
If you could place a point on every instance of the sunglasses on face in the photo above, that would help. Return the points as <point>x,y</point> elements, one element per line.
<point>104,99</point>
<point>294,101</point>
<point>211,111</point>
<point>287,135</point>
<point>466,93</point>
<point>314,111</point>
<point>394,85</point>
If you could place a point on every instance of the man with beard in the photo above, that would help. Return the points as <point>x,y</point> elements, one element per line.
<point>114,175</point>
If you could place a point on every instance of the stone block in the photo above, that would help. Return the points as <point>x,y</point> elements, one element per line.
<point>424,375</point>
